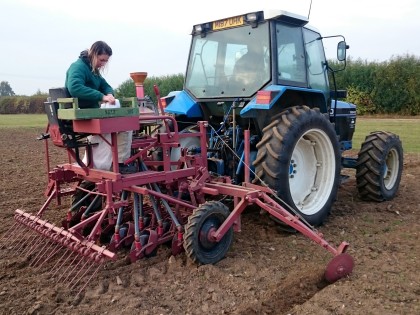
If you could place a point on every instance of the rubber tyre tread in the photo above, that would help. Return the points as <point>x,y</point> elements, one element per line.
<point>276,148</point>
<point>370,163</point>
<point>192,246</point>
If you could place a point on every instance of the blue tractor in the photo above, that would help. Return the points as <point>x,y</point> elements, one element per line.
<point>266,72</point>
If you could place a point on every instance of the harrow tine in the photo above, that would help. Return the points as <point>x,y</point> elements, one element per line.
<point>93,259</point>
<point>29,244</point>
<point>88,280</point>
<point>50,248</point>
<point>35,242</point>
<point>35,245</point>
<point>24,223</point>
<point>17,243</point>
<point>29,240</point>
<point>8,235</point>
<point>78,272</point>
<point>74,269</point>
<point>40,253</point>
<point>56,268</point>
<point>69,266</point>
<point>55,251</point>
<point>55,244</point>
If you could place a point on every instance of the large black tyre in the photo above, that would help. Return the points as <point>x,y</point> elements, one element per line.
<point>298,157</point>
<point>379,166</point>
<point>198,245</point>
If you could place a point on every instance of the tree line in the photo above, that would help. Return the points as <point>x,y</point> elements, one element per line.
<point>389,87</point>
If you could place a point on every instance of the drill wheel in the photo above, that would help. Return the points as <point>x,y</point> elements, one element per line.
<point>198,242</point>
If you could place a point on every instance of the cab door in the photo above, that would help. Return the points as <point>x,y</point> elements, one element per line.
<point>316,63</point>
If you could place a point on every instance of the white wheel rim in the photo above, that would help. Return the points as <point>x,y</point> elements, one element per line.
<point>312,171</point>
<point>390,173</point>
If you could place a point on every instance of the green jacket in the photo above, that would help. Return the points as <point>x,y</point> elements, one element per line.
<point>87,86</point>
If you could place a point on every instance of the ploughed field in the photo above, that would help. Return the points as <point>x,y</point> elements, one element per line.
<point>266,271</point>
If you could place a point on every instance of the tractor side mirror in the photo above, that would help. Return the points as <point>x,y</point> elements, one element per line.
<point>341,50</point>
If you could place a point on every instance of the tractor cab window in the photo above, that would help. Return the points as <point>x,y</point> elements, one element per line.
<point>229,63</point>
<point>203,64</point>
<point>316,62</point>
<point>291,68</point>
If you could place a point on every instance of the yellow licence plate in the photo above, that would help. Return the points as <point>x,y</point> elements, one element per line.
<point>230,22</point>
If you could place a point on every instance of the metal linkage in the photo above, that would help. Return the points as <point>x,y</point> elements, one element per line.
<point>340,266</point>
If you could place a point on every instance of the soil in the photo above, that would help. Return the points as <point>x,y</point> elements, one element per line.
<point>266,270</point>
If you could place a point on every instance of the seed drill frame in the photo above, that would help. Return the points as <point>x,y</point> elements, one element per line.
<point>165,201</point>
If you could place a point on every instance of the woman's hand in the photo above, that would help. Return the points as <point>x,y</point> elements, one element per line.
<point>108,99</point>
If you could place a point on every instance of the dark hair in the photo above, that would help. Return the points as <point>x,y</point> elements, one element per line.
<point>98,48</point>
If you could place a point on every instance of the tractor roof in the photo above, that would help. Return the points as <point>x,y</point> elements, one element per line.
<point>285,16</point>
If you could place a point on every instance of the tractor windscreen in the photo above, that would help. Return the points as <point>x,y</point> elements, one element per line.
<point>232,62</point>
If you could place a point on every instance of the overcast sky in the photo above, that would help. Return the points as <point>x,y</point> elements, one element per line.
<point>39,39</point>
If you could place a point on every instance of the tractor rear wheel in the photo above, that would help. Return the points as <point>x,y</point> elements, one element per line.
<point>198,243</point>
<point>298,157</point>
<point>379,166</point>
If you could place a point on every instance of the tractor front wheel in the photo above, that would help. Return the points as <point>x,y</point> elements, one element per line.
<point>379,166</point>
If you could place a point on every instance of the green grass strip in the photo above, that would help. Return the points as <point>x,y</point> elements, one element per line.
<point>407,128</point>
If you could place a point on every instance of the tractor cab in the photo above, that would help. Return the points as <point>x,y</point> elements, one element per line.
<point>233,59</point>
<point>265,73</point>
